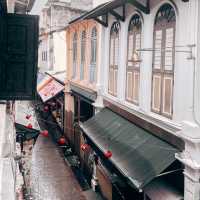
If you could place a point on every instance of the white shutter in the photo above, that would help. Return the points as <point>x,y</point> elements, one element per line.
<point>156,93</point>
<point>158,48</point>
<point>168,49</point>
<point>129,86</point>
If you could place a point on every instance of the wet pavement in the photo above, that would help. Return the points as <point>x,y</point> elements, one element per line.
<point>51,178</point>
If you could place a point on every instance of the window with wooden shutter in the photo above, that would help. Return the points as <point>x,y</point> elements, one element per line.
<point>93,55</point>
<point>74,55</point>
<point>114,58</point>
<point>19,56</point>
<point>82,65</point>
<point>163,61</point>
<point>133,63</point>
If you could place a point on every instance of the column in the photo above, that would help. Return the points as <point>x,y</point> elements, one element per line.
<point>190,157</point>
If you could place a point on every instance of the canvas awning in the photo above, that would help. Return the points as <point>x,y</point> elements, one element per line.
<point>137,154</point>
<point>48,88</point>
<point>82,92</point>
<point>24,108</point>
<point>162,190</point>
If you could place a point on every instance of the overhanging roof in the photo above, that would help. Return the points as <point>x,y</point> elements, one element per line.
<point>105,8</point>
<point>137,154</point>
<point>142,5</point>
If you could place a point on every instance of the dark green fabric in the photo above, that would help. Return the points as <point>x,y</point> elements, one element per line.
<point>29,134</point>
<point>137,154</point>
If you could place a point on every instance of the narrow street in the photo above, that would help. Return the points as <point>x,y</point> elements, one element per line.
<point>51,178</point>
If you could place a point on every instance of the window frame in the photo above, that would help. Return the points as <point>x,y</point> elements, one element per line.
<point>115,35</point>
<point>163,25</point>
<point>83,54</point>
<point>93,50</point>
<point>74,54</point>
<point>134,28</point>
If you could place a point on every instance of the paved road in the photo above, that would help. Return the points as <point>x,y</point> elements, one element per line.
<point>51,178</point>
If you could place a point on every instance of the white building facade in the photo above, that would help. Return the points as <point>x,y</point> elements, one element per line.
<point>151,70</point>
<point>53,19</point>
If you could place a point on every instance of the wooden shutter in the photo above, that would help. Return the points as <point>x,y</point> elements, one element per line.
<point>169,43</point>
<point>130,46</point>
<point>158,49</point>
<point>136,79</point>
<point>133,65</point>
<point>163,61</point>
<point>167,94</point>
<point>129,84</point>
<point>18,56</point>
<point>156,93</point>
<point>93,55</point>
<point>116,51</point>
<point>83,44</point>
<point>74,55</point>
<point>115,76</point>
<point>111,79</point>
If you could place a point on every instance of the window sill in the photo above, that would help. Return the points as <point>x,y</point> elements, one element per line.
<point>160,121</point>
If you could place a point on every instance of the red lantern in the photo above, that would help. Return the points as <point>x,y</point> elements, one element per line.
<point>108,154</point>
<point>28,116</point>
<point>53,104</point>
<point>62,141</point>
<point>29,126</point>
<point>46,109</point>
<point>84,147</point>
<point>45,133</point>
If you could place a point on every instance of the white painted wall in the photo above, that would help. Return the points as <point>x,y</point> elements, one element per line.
<point>183,101</point>
<point>60,61</point>
<point>186,98</point>
<point>98,2</point>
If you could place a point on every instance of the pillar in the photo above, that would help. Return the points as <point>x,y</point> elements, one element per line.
<point>190,157</point>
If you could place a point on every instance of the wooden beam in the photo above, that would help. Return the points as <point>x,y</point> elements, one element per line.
<point>117,15</point>
<point>141,7</point>
<point>102,22</point>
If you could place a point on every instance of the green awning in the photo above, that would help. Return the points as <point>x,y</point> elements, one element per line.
<point>90,95</point>
<point>136,153</point>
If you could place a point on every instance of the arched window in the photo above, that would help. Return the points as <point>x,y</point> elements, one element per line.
<point>163,61</point>
<point>74,55</point>
<point>114,56</point>
<point>93,55</point>
<point>83,43</point>
<point>133,57</point>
